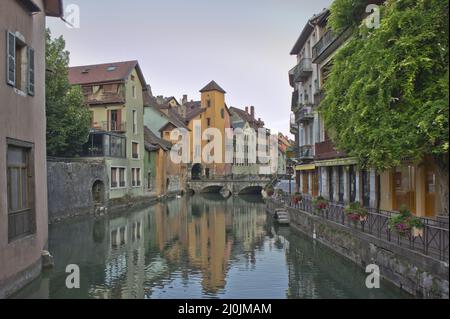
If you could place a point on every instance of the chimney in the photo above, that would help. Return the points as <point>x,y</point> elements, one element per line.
<point>246,109</point>
<point>252,112</point>
<point>185,99</point>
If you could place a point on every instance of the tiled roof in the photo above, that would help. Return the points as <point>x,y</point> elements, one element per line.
<point>254,123</point>
<point>212,86</point>
<point>176,118</point>
<point>151,139</point>
<point>104,73</point>
<point>192,113</point>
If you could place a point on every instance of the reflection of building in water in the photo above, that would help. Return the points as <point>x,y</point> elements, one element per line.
<point>125,263</point>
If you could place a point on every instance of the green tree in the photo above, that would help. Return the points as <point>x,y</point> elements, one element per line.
<point>68,118</point>
<point>386,98</point>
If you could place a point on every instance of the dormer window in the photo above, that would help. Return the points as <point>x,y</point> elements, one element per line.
<point>111,68</point>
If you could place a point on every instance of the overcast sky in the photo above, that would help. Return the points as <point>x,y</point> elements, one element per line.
<point>181,45</point>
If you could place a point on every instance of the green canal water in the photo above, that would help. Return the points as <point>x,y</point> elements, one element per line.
<point>197,247</point>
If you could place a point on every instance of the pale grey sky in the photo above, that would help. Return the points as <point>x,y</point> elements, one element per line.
<point>181,45</point>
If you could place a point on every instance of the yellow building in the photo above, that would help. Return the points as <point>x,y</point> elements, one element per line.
<point>212,112</point>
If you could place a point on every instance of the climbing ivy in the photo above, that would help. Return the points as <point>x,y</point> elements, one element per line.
<point>386,98</point>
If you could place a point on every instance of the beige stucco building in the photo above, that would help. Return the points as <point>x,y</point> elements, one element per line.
<point>23,173</point>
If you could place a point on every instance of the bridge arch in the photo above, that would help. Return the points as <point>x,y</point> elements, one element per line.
<point>212,189</point>
<point>250,190</point>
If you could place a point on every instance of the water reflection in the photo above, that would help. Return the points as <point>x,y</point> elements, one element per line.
<point>197,247</point>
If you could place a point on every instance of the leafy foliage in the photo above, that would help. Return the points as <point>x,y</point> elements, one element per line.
<point>386,98</point>
<point>68,118</point>
<point>346,14</point>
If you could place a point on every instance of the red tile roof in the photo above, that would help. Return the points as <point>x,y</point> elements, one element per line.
<point>104,73</point>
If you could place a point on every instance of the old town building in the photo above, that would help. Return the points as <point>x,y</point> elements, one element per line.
<point>23,203</point>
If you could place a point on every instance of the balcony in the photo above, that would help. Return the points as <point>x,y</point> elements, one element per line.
<point>306,115</point>
<point>293,125</point>
<point>113,126</point>
<point>325,150</point>
<point>302,71</point>
<point>103,144</point>
<point>306,152</point>
<point>294,103</point>
<point>328,44</point>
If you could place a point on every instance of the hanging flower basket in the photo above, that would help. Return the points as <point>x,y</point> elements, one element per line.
<point>297,198</point>
<point>406,223</point>
<point>320,203</point>
<point>355,212</point>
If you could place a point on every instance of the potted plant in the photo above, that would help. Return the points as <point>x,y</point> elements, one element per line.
<point>320,203</point>
<point>269,190</point>
<point>405,222</point>
<point>355,212</point>
<point>297,198</point>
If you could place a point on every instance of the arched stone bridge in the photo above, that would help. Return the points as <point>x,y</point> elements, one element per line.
<point>236,185</point>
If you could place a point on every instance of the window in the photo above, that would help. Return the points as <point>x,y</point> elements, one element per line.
<point>118,177</point>
<point>20,64</point>
<point>87,90</point>
<point>114,179</point>
<point>149,181</point>
<point>135,150</point>
<point>208,103</point>
<point>135,177</point>
<point>115,121</point>
<point>330,184</point>
<point>222,113</point>
<point>20,183</point>
<point>352,182</point>
<point>122,181</point>
<point>341,183</point>
<point>133,90</point>
<point>134,122</point>
<point>365,179</point>
<point>208,122</point>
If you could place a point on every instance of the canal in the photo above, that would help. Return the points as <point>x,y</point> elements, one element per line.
<point>197,247</point>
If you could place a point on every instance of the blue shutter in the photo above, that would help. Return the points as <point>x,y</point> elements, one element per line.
<point>30,71</point>
<point>10,58</point>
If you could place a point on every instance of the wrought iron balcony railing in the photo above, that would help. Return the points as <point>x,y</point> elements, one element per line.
<point>114,126</point>
<point>302,70</point>
<point>306,152</point>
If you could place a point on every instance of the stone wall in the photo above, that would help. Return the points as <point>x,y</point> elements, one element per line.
<point>419,275</point>
<point>70,186</point>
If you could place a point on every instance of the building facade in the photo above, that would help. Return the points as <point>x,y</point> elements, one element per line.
<point>114,93</point>
<point>23,170</point>
<point>244,122</point>
<point>322,169</point>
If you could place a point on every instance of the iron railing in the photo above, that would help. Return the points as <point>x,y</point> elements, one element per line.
<point>302,70</point>
<point>432,241</point>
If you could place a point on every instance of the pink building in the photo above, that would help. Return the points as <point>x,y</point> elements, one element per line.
<point>23,172</point>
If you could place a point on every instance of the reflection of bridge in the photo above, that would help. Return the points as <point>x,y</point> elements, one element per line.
<point>248,184</point>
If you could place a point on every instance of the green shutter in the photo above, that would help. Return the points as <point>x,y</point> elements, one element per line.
<point>10,58</point>
<point>30,71</point>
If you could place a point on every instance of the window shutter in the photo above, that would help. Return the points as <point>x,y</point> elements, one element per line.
<point>11,58</point>
<point>30,71</point>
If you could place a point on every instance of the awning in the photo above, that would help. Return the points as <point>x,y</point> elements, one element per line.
<point>305,167</point>
<point>337,162</point>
